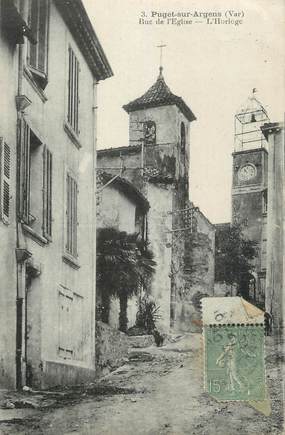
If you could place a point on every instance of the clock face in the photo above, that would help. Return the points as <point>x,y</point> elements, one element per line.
<point>247,172</point>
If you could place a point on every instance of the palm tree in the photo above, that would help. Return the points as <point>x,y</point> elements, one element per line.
<point>124,266</point>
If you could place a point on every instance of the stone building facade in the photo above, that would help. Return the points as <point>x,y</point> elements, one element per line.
<point>48,139</point>
<point>157,163</point>
<point>275,259</point>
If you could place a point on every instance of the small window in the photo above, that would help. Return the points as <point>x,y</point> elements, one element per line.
<point>71,215</point>
<point>37,53</point>
<point>5,160</point>
<point>150,133</point>
<point>182,137</point>
<point>73,91</point>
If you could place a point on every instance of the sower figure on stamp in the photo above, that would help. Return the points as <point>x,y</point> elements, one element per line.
<point>227,359</point>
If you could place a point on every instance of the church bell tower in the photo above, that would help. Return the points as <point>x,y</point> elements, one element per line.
<point>159,130</point>
<point>249,188</point>
<point>159,121</point>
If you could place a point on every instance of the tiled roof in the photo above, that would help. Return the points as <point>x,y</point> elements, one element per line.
<point>159,95</point>
<point>119,150</point>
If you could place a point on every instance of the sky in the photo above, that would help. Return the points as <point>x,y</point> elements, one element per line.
<point>212,66</point>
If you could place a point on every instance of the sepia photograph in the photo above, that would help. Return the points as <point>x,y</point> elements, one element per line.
<point>142,217</point>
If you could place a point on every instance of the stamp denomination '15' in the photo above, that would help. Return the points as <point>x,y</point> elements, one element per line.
<point>234,362</point>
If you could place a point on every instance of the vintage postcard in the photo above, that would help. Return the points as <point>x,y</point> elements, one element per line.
<point>142,204</point>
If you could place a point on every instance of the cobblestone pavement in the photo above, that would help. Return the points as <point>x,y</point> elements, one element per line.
<point>159,391</point>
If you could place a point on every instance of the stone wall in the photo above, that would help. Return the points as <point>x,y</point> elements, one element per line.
<point>198,273</point>
<point>111,348</point>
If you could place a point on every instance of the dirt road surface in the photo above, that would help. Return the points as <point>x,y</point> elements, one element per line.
<point>159,391</point>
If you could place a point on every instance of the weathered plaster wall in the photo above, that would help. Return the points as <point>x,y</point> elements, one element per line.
<point>159,227</point>
<point>115,210</point>
<point>166,154</point>
<point>46,116</point>
<point>132,160</point>
<point>275,277</point>
<point>8,120</point>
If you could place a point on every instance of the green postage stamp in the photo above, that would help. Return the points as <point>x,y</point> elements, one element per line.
<point>233,352</point>
<point>234,362</point>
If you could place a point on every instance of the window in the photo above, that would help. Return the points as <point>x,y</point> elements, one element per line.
<point>71,215</point>
<point>5,160</point>
<point>35,207</point>
<point>73,95</point>
<point>150,133</point>
<point>182,137</point>
<point>37,53</point>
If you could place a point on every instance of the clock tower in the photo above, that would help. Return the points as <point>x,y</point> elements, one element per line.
<point>249,190</point>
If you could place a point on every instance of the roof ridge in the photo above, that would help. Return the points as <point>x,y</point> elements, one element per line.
<point>159,94</point>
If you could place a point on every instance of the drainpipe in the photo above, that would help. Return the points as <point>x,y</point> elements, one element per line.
<point>21,253</point>
<point>20,264</point>
<point>94,155</point>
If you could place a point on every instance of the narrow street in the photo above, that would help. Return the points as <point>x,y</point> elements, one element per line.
<point>159,391</point>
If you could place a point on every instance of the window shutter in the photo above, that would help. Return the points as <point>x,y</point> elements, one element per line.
<point>73,91</point>
<point>42,38</point>
<point>76,96</point>
<point>5,180</point>
<point>38,20</point>
<point>71,215</point>
<point>47,193</point>
<point>24,196</point>
<point>34,14</point>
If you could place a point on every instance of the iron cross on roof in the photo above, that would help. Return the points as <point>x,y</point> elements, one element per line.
<point>161,47</point>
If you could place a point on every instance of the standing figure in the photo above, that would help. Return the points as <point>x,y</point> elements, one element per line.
<point>227,359</point>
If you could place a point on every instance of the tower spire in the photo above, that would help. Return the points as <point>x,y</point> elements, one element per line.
<point>161,47</point>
